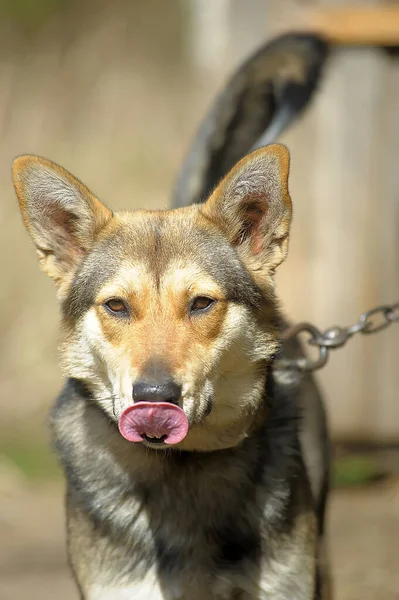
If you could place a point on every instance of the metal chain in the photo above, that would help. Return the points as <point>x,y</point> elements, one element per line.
<point>372,321</point>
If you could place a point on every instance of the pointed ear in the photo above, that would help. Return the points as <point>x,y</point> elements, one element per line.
<point>252,206</point>
<point>60,213</point>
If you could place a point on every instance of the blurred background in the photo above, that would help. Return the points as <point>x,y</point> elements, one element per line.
<point>114,91</point>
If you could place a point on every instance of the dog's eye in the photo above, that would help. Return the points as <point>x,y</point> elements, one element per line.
<point>201,304</point>
<point>115,305</point>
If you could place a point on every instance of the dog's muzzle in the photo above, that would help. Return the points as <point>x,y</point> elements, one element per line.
<point>154,422</point>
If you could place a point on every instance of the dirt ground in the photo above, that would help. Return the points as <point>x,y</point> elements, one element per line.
<point>364,542</point>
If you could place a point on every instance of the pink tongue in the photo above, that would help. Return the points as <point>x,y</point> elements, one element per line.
<point>154,420</point>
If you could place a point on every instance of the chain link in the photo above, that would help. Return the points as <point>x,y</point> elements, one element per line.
<point>372,321</point>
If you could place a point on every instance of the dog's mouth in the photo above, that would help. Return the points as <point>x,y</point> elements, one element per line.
<point>156,423</point>
<point>154,440</point>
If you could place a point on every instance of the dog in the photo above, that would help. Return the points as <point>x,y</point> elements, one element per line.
<point>194,469</point>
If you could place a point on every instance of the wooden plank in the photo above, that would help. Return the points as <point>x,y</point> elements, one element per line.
<point>357,26</point>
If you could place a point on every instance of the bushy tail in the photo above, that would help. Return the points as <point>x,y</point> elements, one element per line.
<point>260,101</point>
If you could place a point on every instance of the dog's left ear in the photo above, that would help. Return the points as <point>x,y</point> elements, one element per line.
<point>252,206</point>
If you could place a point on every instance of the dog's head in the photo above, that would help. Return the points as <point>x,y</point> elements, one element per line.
<point>168,317</point>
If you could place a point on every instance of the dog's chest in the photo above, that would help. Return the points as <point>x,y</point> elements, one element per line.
<point>196,582</point>
<point>198,554</point>
<point>198,569</point>
<point>204,557</point>
<point>151,588</point>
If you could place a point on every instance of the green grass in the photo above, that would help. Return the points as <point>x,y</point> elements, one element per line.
<point>30,12</point>
<point>355,470</point>
<point>34,459</point>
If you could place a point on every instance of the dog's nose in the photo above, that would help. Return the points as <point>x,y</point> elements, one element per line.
<point>167,391</point>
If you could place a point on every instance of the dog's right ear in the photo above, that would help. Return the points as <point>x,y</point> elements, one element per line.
<point>60,213</point>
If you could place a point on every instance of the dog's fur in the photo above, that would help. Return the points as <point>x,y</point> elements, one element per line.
<point>236,510</point>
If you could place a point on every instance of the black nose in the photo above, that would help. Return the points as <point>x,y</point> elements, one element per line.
<point>167,391</point>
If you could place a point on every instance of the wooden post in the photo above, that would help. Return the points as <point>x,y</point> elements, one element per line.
<point>378,26</point>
